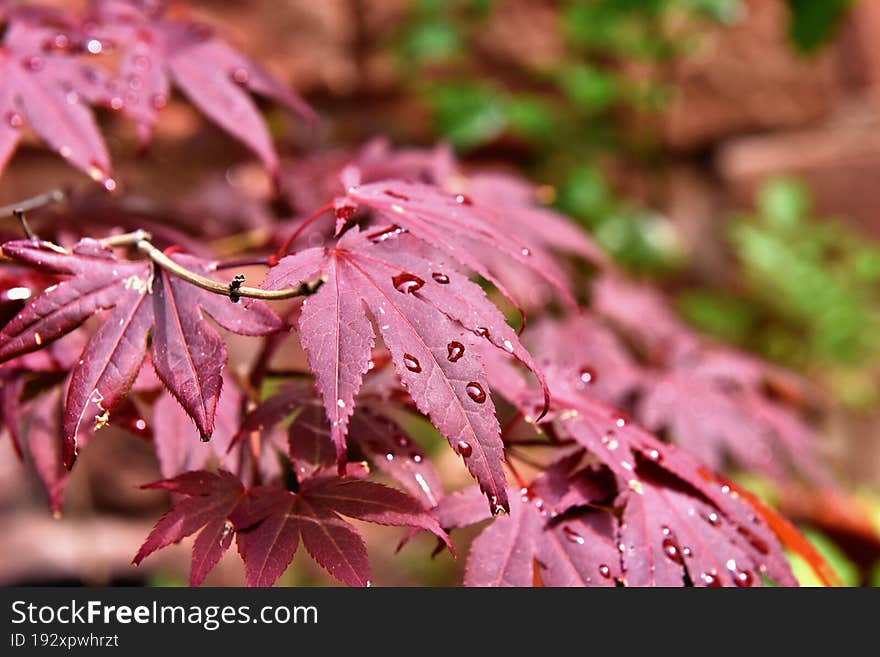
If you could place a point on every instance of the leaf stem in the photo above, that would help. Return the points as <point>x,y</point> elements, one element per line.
<point>140,239</point>
<point>54,196</point>
<point>282,251</point>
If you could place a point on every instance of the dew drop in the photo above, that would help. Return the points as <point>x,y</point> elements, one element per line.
<point>417,458</point>
<point>340,403</point>
<point>116,103</point>
<point>389,457</point>
<point>142,63</point>
<point>508,345</point>
<point>713,519</point>
<point>587,375</point>
<point>59,42</point>
<point>526,251</point>
<point>711,579</point>
<point>14,120</point>
<point>497,507</point>
<point>204,437</point>
<point>443,279</point>
<point>482,331</point>
<point>94,46</point>
<point>572,535</point>
<point>407,283</point>
<point>670,549</point>
<point>604,571</point>
<point>654,455</point>
<point>686,551</point>
<point>743,578</point>
<point>475,391</point>
<point>463,199</point>
<point>34,63</point>
<point>158,101</point>
<point>385,234</point>
<point>412,363</point>
<point>464,448</point>
<point>240,75</point>
<point>620,422</point>
<point>455,350</point>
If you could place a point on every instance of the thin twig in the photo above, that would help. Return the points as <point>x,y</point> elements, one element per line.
<point>140,239</point>
<point>54,196</point>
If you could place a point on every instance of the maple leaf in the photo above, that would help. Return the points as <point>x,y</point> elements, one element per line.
<point>158,49</point>
<point>187,354</point>
<point>176,440</point>
<point>45,89</point>
<point>314,515</point>
<point>208,501</point>
<point>535,543</point>
<point>472,233</point>
<point>430,317</point>
<point>267,523</point>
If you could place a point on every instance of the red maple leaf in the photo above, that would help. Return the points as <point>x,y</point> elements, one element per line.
<point>187,353</point>
<point>44,87</point>
<point>268,523</point>
<point>158,49</point>
<point>430,317</point>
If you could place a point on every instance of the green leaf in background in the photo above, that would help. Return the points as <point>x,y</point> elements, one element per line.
<point>430,41</point>
<point>835,557</point>
<point>468,115</point>
<point>589,88</point>
<point>531,118</point>
<point>719,315</point>
<point>813,22</point>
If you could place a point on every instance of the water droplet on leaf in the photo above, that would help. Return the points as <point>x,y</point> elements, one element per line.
<point>464,448</point>
<point>443,279</point>
<point>455,350</point>
<point>475,391</point>
<point>407,283</point>
<point>412,363</point>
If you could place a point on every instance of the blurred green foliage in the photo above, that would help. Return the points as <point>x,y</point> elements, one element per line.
<point>810,296</point>
<point>562,115</point>
<point>813,22</point>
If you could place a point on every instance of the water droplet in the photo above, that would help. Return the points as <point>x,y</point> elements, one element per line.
<point>158,101</point>
<point>587,375</point>
<point>475,391</point>
<point>14,120</point>
<point>34,63</point>
<point>240,75</point>
<point>142,63</point>
<point>59,42</point>
<point>686,551</point>
<point>482,331</point>
<point>670,549</point>
<point>666,531</point>
<point>443,279</point>
<point>711,579</point>
<point>463,199</point>
<point>743,578</point>
<point>116,103</point>
<point>204,437</point>
<point>508,345</point>
<point>389,456</point>
<point>572,535</point>
<point>464,448</point>
<point>455,351</point>
<point>620,422</point>
<point>713,519</point>
<point>725,489</point>
<point>407,283</point>
<point>612,444</point>
<point>393,194</point>
<point>386,233</point>
<point>604,571</point>
<point>412,363</point>
<point>340,403</point>
<point>654,455</point>
<point>526,251</point>
<point>497,508</point>
<point>94,46</point>
<point>417,458</point>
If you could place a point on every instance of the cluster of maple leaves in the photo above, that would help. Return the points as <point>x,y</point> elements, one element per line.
<point>397,326</point>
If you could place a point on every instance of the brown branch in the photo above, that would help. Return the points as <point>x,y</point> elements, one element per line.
<point>140,239</point>
<point>54,196</point>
